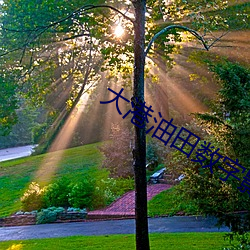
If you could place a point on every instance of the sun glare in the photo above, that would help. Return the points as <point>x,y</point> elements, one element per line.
<point>61,142</point>
<point>119,31</point>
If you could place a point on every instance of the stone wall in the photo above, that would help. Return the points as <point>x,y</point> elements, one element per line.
<point>19,220</point>
<point>30,219</point>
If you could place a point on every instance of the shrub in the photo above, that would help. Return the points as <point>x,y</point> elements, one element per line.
<point>38,131</point>
<point>122,186</point>
<point>81,194</point>
<point>73,209</point>
<point>243,242</point>
<point>109,189</point>
<point>56,194</point>
<point>48,215</point>
<point>33,197</point>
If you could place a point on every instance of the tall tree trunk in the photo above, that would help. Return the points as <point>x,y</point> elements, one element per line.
<point>139,152</point>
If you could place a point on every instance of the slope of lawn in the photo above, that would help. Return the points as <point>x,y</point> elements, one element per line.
<point>170,241</point>
<point>16,175</point>
<point>169,202</point>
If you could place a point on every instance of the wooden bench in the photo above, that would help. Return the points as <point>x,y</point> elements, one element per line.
<point>155,177</point>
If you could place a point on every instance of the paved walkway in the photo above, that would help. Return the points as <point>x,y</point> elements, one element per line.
<point>156,225</point>
<point>125,206</point>
<point>17,152</point>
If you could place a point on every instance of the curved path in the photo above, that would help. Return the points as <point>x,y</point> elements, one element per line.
<point>125,206</point>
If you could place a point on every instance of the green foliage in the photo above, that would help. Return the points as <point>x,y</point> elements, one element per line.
<point>16,175</point>
<point>32,198</point>
<point>81,194</point>
<point>73,209</point>
<point>48,215</point>
<point>236,16</point>
<point>230,120</point>
<point>123,185</point>
<point>243,241</point>
<point>22,132</point>
<point>52,44</point>
<point>176,162</point>
<point>92,192</point>
<point>108,190</point>
<point>38,131</point>
<point>103,193</point>
<point>8,105</point>
<point>56,194</point>
<point>228,126</point>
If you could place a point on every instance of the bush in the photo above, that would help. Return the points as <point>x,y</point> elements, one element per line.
<point>122,186</point>
<point>33,198</point>
<point>48,215</point>
<point>81,194</point>
<point>57,193</point>
<point>109,189</point>
<point>243,242</point>
<point>38,131</point>
<point>78,210</point>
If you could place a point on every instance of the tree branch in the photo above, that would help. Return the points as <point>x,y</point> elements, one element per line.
<point>74,13</point>
<point>193,32</point>
<point>42,29</point>
<point>112,8</point>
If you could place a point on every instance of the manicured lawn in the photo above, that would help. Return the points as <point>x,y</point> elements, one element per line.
<point>16,175</point>
<point>170,241</point>
<point>168,202</point>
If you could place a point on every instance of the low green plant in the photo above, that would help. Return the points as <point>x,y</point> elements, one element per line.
<point>108,190</point>
<point>243,241</point>
<point>73,209</point>
<point>48,215</point>
<point>103,194</point>
<point>32,199</point>
<point>57,193</point>
<point>81,194</point>
<point>123,185</point>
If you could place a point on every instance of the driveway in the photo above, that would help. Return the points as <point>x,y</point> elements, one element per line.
<point>156,225</point>
<point>17,152</point>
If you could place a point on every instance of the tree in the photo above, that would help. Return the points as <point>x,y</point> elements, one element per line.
<point>8,105</point>
<point>85,18</point>
<point>227,128</point>
<point>229,123</point>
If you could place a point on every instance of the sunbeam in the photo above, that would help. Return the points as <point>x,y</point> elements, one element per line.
<point>51,161</point>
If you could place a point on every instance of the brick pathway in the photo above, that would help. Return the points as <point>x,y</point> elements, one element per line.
<point>124,207</point>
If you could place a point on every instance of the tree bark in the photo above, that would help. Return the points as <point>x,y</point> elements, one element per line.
<point>139,151</point>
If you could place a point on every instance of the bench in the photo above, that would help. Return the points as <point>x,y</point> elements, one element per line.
<point>180,177</point>
<point>155,177</point>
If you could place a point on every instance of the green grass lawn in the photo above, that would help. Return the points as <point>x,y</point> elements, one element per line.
<point>169,241</point>
<point>169,202</point>
<point>16,175</point>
